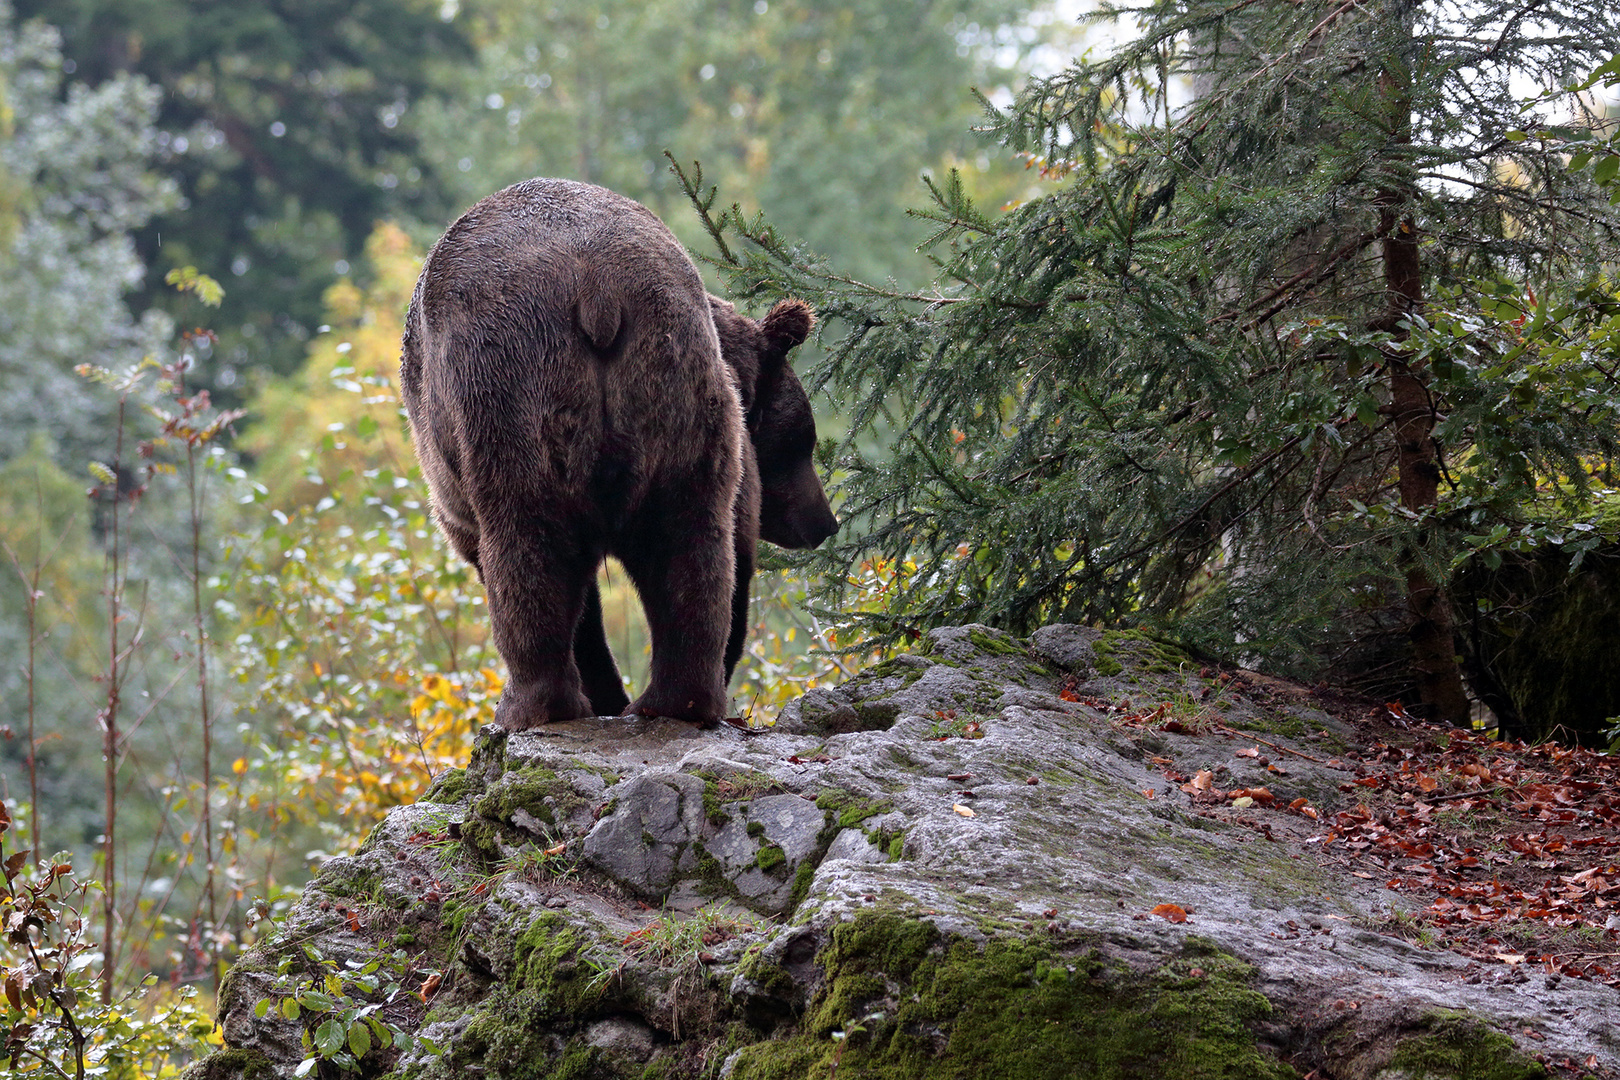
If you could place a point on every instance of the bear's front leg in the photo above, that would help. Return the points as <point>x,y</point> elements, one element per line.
<point>597,672</point>
<point>536,584</point>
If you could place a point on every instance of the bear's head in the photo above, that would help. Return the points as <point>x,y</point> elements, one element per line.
<point>793,510</point>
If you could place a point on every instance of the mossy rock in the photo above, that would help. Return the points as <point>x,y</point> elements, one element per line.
<point>914,1005</point>
<point>1454,1046</point>
<point>450,786</point>
<point>231,1064</point>
<point>997,644</point>
<point>849,809</point>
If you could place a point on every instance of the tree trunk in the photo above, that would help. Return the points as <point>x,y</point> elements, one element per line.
<point>1434,649</point>
<point>1434,652</point>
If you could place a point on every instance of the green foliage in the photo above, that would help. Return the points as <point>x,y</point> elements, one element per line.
<point>53,1022</point>
<point>344,1008</point>
<point>1594,138</point>
<point>290,132</point>
<point>824,111</point>
<point>77,175</point>
<point>186,279</point>
<point>1161,391</point>
<point>364,639</point>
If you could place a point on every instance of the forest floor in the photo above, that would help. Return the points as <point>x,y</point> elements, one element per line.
<point>1506,853</point>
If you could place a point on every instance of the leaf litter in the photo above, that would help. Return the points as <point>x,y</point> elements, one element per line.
<point>1510,851</point>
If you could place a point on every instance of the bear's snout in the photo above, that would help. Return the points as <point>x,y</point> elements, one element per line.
<point>794,512</point>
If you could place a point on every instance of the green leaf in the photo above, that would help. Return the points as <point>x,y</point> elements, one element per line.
<point>314,999</point>
<point>329,1037</point>
<point>1604,171</point>
<point>305,1066</point>
<point>188,279</point>
<point>359,1038</point>
<point>379,1030</point>
<point>1514,136</point>
<point>289,1008</point>
<point>1367,411</point>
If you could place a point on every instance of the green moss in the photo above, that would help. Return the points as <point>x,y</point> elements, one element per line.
<point>773,980</point>
<point>509,1041</point>
<point>1153,655</point>
<point>481,836</point>
<point>897,846</point>
<point>850,809</point>
<point>769,857</point>
<point>714,808</point>
<point>712,879</point>
<point>529,789</point>
<point>1018,1009</point>
<point>736,786</point>
<point>511,1033</point>
<point>998,645</point>
<point>232,1064</point>
<point>1272,723</point>
<point>1455,1046</point>
<point>802,877</point>
<point>907,669</point>
<point>349,879</point>
<point>449,786</point>
<point>1037,671</point>
<point>544,957</point>
<point>756,828</point>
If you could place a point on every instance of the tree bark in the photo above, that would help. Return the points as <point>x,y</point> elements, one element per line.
<point>1434,650</point>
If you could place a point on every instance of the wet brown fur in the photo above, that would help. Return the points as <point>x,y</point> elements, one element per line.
<point>569,399</point>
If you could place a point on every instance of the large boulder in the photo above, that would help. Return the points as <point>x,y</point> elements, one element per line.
<point>972,861</point>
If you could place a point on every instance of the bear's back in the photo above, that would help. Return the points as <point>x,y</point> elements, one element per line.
<point>563,316</point>
<point>531,249</point>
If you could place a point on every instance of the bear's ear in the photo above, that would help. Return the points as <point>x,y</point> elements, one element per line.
<point>787,324</point>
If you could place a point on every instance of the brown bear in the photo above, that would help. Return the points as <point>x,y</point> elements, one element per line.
<point>564,380</point>
<point>780,498</point>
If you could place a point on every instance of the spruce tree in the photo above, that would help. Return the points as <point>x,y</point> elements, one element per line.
<point>1300,318</point>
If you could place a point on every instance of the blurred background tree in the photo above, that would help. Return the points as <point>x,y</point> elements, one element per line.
<point>289,133</point>
<point>825,112</point>
<point>285,129</point>
<point>79,173</point>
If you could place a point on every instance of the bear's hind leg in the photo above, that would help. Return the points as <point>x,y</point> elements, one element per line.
<point>536,583</point>
<point>685,575</point>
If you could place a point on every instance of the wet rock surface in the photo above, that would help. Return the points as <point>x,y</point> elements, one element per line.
<point>992,857</point>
